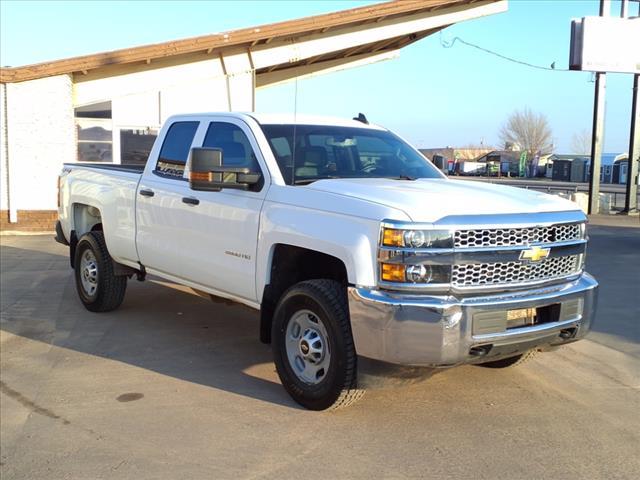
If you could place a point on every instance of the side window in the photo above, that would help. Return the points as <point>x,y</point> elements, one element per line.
<point>281,147</point>
<point>235,146</point>
<point>282,151</point>
<point>175,149</point>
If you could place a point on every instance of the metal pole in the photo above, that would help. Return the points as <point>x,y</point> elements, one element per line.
<point>624,8</point>
<point>597,134</point>
<point>631,197</point>
<point>597,138</point>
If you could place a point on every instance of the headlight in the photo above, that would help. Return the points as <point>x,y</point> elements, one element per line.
<point>392,237</point>
<point>413,257</point>
<point>418,273</point>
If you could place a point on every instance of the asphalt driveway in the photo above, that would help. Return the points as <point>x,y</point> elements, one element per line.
<point>175,386</point>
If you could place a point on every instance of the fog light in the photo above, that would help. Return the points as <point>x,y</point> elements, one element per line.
<point>419,273</point>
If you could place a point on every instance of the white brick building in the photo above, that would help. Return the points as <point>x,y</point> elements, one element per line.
<point>107,107</point>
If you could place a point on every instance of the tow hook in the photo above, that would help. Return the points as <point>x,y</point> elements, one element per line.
<point>568,333</point>
<point>480,351</point>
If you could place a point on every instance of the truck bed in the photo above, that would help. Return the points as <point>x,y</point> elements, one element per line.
<point>111,189</point>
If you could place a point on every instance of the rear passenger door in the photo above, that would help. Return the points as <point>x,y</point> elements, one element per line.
<point>161,238</point>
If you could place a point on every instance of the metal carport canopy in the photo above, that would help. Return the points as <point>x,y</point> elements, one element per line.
<point>281,51</point>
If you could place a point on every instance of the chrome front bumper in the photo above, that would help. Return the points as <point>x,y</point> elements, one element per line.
<point>438,331</point>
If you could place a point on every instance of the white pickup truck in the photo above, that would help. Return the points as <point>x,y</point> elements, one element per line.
<point>354,248</point>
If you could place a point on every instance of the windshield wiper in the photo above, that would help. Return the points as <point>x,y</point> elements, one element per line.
<point>403,177</point>
<point>307,181</point>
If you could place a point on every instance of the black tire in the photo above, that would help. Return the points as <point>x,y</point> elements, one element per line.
<point>110,289</point>
<point>511,361</point>
<point>327,300</point>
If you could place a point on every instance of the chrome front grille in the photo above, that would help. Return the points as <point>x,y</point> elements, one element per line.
<point>485,253</point>
<point>512,237</point>
<point>506,273</point>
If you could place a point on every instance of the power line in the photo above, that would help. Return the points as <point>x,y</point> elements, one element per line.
<point>504,57</point>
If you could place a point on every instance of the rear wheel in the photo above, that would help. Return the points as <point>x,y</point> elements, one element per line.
<point>313,346</point>
<point>98,288</point>
<point>511,361</point>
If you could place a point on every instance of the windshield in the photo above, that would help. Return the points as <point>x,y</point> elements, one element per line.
<point>343,152</point>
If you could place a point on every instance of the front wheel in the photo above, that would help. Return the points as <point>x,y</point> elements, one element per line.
<point>98,288</point>
<point>313,347</point>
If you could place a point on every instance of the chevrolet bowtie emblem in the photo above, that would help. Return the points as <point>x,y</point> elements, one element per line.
<point>535,254</point>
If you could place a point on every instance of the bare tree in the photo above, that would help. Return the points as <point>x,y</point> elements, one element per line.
<point>529,130</point>
<point>581,142</point>
<point>477,146</point>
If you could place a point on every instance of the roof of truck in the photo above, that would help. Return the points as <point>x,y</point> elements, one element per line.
<point>306,119</point>
<point>280,119</point>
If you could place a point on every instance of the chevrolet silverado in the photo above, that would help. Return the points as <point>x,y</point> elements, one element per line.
<point>352,246</point>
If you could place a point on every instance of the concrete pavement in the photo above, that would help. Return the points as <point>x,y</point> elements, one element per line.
<point>174,386</point>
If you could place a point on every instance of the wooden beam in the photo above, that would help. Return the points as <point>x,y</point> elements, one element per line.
<point>224,67</point>
<point>355,50</point>
<point>315,59</point>
<point>385,44</point>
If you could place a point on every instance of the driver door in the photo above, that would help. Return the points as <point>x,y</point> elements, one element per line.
<point>222,227</point>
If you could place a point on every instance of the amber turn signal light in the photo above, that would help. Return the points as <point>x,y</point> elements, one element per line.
<point>393,272</point>
<point>200,176</point>
<point>392,237</point>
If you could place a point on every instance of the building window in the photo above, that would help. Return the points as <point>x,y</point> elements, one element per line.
<point>136,145</point>
<point>95,132</point>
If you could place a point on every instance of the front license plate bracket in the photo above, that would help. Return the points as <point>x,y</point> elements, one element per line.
<point>524,317</point>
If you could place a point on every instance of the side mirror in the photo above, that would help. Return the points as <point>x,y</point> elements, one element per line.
<point>206,172</point>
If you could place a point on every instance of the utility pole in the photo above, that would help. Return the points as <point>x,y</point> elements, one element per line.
<point>597,136</point>
<point>624,8</point>
<point>631,197</point>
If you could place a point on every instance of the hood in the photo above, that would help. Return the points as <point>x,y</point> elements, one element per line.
<point>429,200</point>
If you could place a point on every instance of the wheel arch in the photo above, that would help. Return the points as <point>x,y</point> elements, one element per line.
<point>85,218</point>
<point>291,264</point>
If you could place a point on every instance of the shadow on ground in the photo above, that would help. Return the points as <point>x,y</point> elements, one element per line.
<point>160,326</point>
<point>168,329</point>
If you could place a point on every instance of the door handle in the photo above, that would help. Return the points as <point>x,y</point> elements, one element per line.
<point>190,201</point>
<point>147,193</point>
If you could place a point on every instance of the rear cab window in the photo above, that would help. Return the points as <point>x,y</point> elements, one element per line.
<point>175,149</point>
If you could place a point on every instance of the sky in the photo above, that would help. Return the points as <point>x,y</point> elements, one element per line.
<point>431,95</point>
